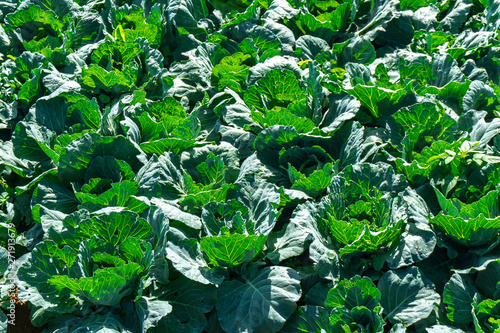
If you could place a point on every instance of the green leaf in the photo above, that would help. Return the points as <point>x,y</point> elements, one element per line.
<point>283,117</point>
<point>374,98</point>
<point>487,280</point>
<point>107,322</point>
<point>86,30</point>
<point>51,113</point>
<point>161,177</point>
<point>34,14</point>
<point>152,130</point>
<point>316,183</point>
<point>115,228</point>
<point>44,262</point>
<point>418,126</point>
<point>187,14</point>
<point>33,142</point>
<point>107,287</point>
<point>231,72</point>
<point>342,109</point>
<point>76,157</point>
<point>486,315</point>
<point>120,195</point>
<point>190,302</point>
<point>407,296</point>
<point>198,197</point>
<point>470,232</point>
<point>135,23</point>
<point>106,167</point>
<point>417,241</point>
<point>174,145</point>
<point>52,195</point>
<point>88,112</point>
<point>31,88</point>
<point>275,89</point>
<point>201,60</point>
<point>133,250</point>
<point>271,140</point>
<point>261,199</point>
<point>308,24</point>
<point>445,70</point>
<point>456,16</point>
<point>309,318</point>
<point>412,4</point>
<point>212,171</point>
<point>354,292</point>
<point>169,111</point>
<point>458,295</point>
<point>150,311</point>
<point>229,216</point>
<point>232,250</point>
<point>263,301</point>
<point>187,258</point>
<point>355,303</point>
<point>113,81</point>
<point>359,50</point>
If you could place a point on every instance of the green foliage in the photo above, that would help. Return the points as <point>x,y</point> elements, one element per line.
<point>251,166</point>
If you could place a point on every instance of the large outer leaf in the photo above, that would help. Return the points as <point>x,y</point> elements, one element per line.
<point>107,287</point>
<point>261,199</point>
<point>493,15</point>
<point>488,280</point>
<point>187,258</point>
<point>458,295</point>
<point>471,232</point>
<point>418,240</point>
<point>311,46</point>
<point>376,99</point>
<point>279,88</point>
<point>190,301</point>
<point>310,319</point>
<point>201,60</point>
<point>115,228</point>
<point>232,250</point>
<point>100,323</point>
<point>279,9</point>
<point>175,145</point>
<point>187,13</point>
<point>359,50</point>
<point>35,270</point>
<point>445,70</point>
<point>33,142</point>
<point>342,109</point>
<point>111,81</point>
<point>54,196</point>
<point>407,296</point>
<point>161,177</point>
<point>77,156</point>
<point>261,303</point>
<point>353,293</point>
<point>292,241</point>
<point>456,16</point>
<point>151,311</point>
<point>50,113</point>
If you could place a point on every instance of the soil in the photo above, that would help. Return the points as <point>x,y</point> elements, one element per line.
<point>22,321</point>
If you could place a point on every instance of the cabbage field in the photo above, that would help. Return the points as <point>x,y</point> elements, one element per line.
<point>253,166</point>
